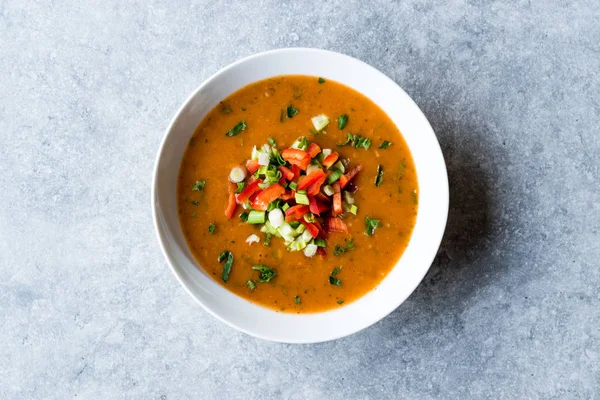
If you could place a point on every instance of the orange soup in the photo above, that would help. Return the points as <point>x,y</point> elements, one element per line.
<point>297,193</point>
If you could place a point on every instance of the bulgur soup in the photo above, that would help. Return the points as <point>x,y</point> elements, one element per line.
<point>297,193</point>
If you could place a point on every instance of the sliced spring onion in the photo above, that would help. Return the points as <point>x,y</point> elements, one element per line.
<point>298,244</point>
<point>309,217</point>
<point>310,250</point>
<point>335,175</point>
<point>263,158</point>
<point>353,209</point>
<point>285,207</point>
<point>342,121</point>
<point>244,216</point>
<point>240,126</point>
<point>306,235</point>
<point>267,240</point>
<point>256,217</point>
<point>328,190</point>
<point>240,187</point>
<point>255,153</point>
<point>295,224</point>
<point>293,185</point>
<point>276,217</point>
<point>251,285</point>
<point>320,242</point>
<point>348,197</point>
<point>237,174</point>
<point>272,142</point>
<point>339,165</point>
<point>311,168</point>
<point>301,198</point>
<point>379,177</point>
<point>291,111</point>
<point>269,228</point>
<point>326,152</point>
<point>300,229</point>
<point>252,239</point>
<point>320,122</point>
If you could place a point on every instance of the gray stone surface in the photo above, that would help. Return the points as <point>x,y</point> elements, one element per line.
<point>510,309</point>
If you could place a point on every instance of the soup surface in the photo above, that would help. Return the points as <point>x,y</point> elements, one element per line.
<point>351,264</point>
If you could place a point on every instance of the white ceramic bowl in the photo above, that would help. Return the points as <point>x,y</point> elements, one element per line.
<point>400,282</point>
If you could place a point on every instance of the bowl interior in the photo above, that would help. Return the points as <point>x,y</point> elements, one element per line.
<point>410,269</point>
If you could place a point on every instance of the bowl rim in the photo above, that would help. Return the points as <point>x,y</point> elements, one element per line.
<point>162,240</point>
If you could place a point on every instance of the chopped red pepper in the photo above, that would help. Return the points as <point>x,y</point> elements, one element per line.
<point>337,204</point>
<point>296,157</point>
<point>262,200</point>
<point>288,195</point>
<point>344,179</point>
<point>336,225</point>
<point>312,228</point>
<point>322,232</point>
<point>252,166</point>
<point>296,212</point>
<point>287,173</point>
<point>245,195</point>
<point>322,206</point>
<point>313,150</point>
<point>231,203</point>
<point>296,170</point>
<point>309,179</point>
<point>330,159</point>
<point>315,187</point>
<point>312,204</point>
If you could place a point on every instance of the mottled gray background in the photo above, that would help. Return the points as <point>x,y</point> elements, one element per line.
<point>88,307</point>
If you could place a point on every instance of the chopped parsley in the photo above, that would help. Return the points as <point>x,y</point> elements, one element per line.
<point>332,279</point>
<point>371,225</point>
<point>240,126</point>
<point>385,144</point>
<point>266,273</point>
<point>199,185</point>
<point>340,250</point>
<point>379,177</point>
<point>251,285</point>
<point>211,228</point>
<point>226,256</point>
<point>321,80</point>
<point>291,111</point>
<point>267,241</point>
<point>356,141</point>
<point>342,121</point>
<point>272,142</point>
<point>340,302</point>
<point>195,203</point>
<point>297,299</point>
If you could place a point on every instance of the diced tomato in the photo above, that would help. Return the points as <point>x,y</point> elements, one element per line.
<point>287,173</point>
<point>296,170</point>
<point>330,159</point>
<point>252,166</point>
<point>261,202</point>
<point>321,251</point>
<point>296,157</point>
<point>312,204</point>
<point>311,178</point>
<point>344,179</point>
<point>315,187</point>
<point>336,225</point>
<point>231,203</point>
<point>288,195</point>
<point>312,228</point>
<point>337,204</point>
<point>313,150</point>
<point>248,191</point>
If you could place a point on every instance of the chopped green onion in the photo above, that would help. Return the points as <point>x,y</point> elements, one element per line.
<point>320,122</point>
<point>309,217</point>
<point>348,197</point>
<point>353,209</point>
<point>379,177</point>
<point>228,264</point>
<point>199,185</point>
<point>385,144</point>
<point>195,203</point>
<point>274,204</point>
<point>276,217</point>
<point>313,132</point>
<point>301,198</point>
<point>240,126</point>
<point>266,273</point>
<point>321,80</point>
<point>350,243</point>
<point>328,190</point>
<point>335,175</point>
<point>297,299</point>
<point>294,224</point>
<point>342,121</point>
<point>321,242</point>
<point>332,279</point>
<point>256,217</point>
<point>272,142</point>
<point>285,207</point>
<point>244,216</point>
<point>310,250</point>
<point>312,168</point>
<point>211,228</point>
<point>293,185</point>
<point>267,241</point>
<point>240,187</point>
<point>326,152</point>
<point>251,285</point>
<point>339,250</point>
<point>291,111</point>
<point>371,225</point>
<point>237,174</point>
<point>339,165</point>
<point>340,302</point>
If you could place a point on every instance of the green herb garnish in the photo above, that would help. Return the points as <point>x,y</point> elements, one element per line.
<point>195,203</point>
<point>356,141</point>
<point>340,302</point>
<point>240,126</point>
<point>240,187</point>
<point>297,299</point>
<point>339,250</point>
<point>313,132</point>
<point>267,241</point>
<point>350,243</point>
<point>371,225</point>
<point>226,256</point>
<point>243,109</point>
<point>321,80</point>
<point>211,228</point>
<point>251,285</point>
<point>291,111</point>
<point>199,185</point>
<point>194,214</point>
<point>342,121</point>
<point>332,279</point>
<point>244,216</point>
<point>266,273</point>
<point>385,144</point>
<point>272,142</point>
<point>379,176</point>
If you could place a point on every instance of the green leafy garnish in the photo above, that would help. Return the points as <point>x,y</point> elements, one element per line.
<point>266,273</point>
<point>240,187</point>
<point>340,302</point>
<point>226,256</point>
<point>321,80</point>
<point>350,243</point>
<point>211,228</point>
<point>194,214</point>
<point>244,216</point>
<point>272,142</point>
<point>275,204</point>
<point>195,203</point>
<point>379,176</point>
<point>332,279</point>
<point>243,109</point>
<point>385,144</point>
<point>267,241</point>
<point>297,299</point>
<point>240,126</point>
<point>313,131</point>
<point>199,185</point>
<point>356,141</point>
<point>371,225</point>
<point>291,111</point>
<point>340,250</point>
<point>251,285</point>
<point>342,121</point>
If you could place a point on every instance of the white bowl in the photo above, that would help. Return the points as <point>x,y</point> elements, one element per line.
<point>404,277</point>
